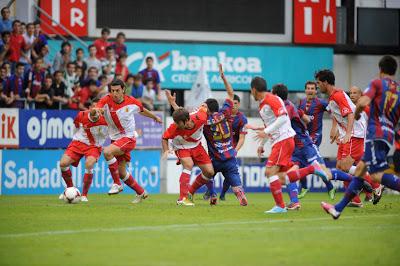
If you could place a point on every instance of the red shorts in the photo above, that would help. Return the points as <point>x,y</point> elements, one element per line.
<point>198,155</point>
<point>126,145</point>
<point>76,150</point>
<point>354,148</point>
<point>281,154</point>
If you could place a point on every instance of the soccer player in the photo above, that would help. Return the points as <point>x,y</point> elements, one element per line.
<point>119,110</point>
<point>218,133</point>
<point>383,97</point>
<point>314,108</point>
<point>186,133</point>
<point>280,133</point>
<point>90,134</point>
<point>239,132</point>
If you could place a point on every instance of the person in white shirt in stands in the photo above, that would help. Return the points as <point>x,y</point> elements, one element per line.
<point>149,95</point>
<point>109,64</point>
<point>92,60</point>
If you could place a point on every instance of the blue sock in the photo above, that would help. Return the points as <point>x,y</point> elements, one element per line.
<point>328,184</point>
<point>303,183</point>
<point>354,189</point>
<point>292,191</point>
<point>210,187</point>
<point>340,175</point>
<point>391,181</point>
<point>225,187</point>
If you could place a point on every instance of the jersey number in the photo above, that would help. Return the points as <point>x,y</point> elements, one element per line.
<point>390,101</point>
<point>219,132</point>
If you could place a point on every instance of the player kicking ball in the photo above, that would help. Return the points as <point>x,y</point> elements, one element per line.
<point>90,134</point>
<point>119,109</point>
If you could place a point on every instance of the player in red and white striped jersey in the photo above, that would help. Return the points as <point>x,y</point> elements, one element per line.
<point>119,110</point>
<point>90,134</point>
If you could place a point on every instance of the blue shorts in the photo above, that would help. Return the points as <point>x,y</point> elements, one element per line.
<point>375,155</point>
<point>229,169</point>
<point>306,155</point>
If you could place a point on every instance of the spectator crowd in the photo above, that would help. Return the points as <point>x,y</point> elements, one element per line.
<point>29,79</point>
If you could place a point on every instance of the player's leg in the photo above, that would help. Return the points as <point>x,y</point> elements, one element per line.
<point>272,173</point>
<point>184,180</point>
<point>110,152</point>
<point>303,188</point>
<point>128,179</point>
<point>66,174</point>
<point>231,173</point>
<point>292,189</point>
<point>88,177</point>
<point>225,187</point>
<point>210,190</point>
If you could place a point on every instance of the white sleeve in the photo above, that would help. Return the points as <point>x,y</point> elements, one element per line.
<point>280,120</point>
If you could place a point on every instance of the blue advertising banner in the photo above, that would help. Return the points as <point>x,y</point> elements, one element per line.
<point>179,63</point>
<point>54,129</point>
<point>38,172</point>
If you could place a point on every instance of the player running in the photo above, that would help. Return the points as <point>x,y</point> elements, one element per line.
<point>239,132</point>
<point>314,109</point>
<point>383,97</point>
<point>90,134</point>
<point>119,110</point>
<point>281,135</point>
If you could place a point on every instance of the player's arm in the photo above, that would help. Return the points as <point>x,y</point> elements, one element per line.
<point>363,102</point>
<point>165,148</point>
<point>171,99</point>
<point>168,134</point>
<point>334,131</point>
<point>306,119</point>
<point>227,85</point>
<point>349,128</point>
<point>151,115</point>
<point>240,143</point>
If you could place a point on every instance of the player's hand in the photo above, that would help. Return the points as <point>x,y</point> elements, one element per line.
<point>157,120</point>
<point>333,135</point>
<point>346,138</point>
<point>165,154</point>
<point>260,151</point>
<point>260,134</point>
<point>221,72</point>
<point>170,97</point>
<point>252,127</point>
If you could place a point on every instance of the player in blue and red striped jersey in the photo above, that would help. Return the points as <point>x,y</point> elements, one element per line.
<point>383,97</point>
<point>314,108</point>
<point>218,133</point>
<point>239,132</point>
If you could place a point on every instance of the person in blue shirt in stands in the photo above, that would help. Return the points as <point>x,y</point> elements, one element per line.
<point>137,87</point>
<point>5,22</point>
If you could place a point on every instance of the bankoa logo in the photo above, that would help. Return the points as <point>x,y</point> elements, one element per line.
<point>54,128</point>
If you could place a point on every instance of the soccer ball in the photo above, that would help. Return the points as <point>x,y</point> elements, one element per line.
<point>72,195</point>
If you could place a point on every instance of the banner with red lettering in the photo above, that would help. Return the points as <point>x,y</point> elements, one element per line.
<point>72,14</point>
<point>9,130</point>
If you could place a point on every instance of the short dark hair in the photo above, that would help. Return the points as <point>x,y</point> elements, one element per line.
<point>123,55</point>
<point>57,72</point>
<point>120,34</point>
<point>36,22</point>
<point>92,82</point>
<point>109,48</point>
<point>149,58</point>
<point>212,105</point>
<point>14,22</point>
<point>4,8</point>
<point>71,63</point>
<point>4,33</point>
<point>130,75</point>
<point>180,115</point>
<point>30,24</point>
<point>236,98</point>
<point>102,77</point>
<point>116,82</point>
<point>138,77</point>
<point>34,60</point>
<point>388,65</point>
<point>90,46</point>
<point>325,75</point>
<point>310,82</point>
<point>280,90</point>
<point>48,76</point>
<point>105,30</point>
<point>19,64</point>
<point>259,84</point>
<point>79,49</point>
<point>93,67</point>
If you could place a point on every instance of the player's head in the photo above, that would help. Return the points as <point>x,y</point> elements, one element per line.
<point>212,105</point>
<point>325,78</point>
<point>258,87</point>
<point>310,88</point>
<point>181,118</point>
<point>149,62</point>
<point>236,103</point>
<point>94,114</point>
<point>355,94</point>
<point>280,90</point>
<point>117,90</point>
<point>388,65</point>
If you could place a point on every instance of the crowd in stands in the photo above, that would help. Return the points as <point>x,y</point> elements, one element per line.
<point>29,79</point>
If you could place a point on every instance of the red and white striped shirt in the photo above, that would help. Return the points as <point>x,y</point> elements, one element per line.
<point>89,132</point>
<point>120,116</point>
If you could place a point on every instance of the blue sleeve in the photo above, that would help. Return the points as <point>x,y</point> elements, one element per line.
<point>324,104</point>
<point>157,77</point>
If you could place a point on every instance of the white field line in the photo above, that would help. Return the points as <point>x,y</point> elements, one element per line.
<point>193,226</point>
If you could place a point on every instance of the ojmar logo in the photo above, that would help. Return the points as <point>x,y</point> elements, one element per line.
<point>54,128</point>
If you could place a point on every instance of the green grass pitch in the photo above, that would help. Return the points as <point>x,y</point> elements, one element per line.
<point>41,230</point>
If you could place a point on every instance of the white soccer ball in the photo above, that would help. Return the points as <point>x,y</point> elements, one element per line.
<point>72,195</point>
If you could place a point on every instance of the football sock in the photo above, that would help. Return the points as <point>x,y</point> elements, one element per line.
<point>373,184</point>
<point>184,182</point>
<point>276,190</point>
<point>303,183</point>
<point>113,167</point>
<point>354,189</point>
<point>296,175</point>
<point>340,175</point>
<point>225,187</point>
<point>67,176</point>
<point>200,181</point>
<point>292,191</point>
<point>391,181</point>
<point>87,181</point>
<point>131,182</point>
<point>210,187</point>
